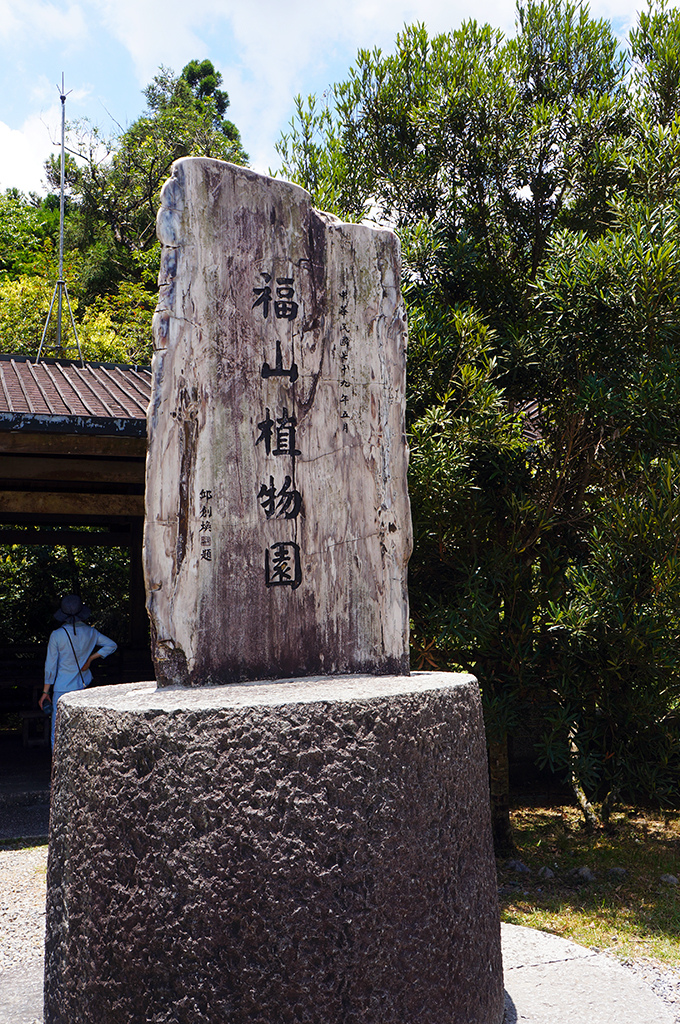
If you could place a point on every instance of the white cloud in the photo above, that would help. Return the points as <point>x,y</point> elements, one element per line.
<point>9,22</point>
<point>67,26</point>
<point>23,151</point>
<point>21,19</point>
<point>267,51</point>
<point>285,45</point>
<point>154,32</point>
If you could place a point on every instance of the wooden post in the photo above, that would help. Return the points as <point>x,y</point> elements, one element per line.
<point>139,623</point>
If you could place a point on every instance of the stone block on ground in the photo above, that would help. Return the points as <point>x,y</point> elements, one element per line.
<point>313,850</point>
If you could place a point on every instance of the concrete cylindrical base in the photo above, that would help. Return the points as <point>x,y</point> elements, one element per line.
<point>313,850</point>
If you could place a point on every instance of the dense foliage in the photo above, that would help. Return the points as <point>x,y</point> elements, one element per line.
<point>113,187</point>
<point>111,269</point>
<point>535,184</point>
<point>34,578</point>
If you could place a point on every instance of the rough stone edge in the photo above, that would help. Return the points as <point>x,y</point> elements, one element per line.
<point>145,696</point>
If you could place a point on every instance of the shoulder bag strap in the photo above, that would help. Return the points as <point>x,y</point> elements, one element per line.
<point>74,654</point>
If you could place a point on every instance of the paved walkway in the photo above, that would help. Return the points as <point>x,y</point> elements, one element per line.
<point>25,822</point>
<point>21,996</point>
<point>548,980</point>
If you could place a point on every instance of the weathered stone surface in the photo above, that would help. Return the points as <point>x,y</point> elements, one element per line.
<point>277,517</point>
<point>308,851</point>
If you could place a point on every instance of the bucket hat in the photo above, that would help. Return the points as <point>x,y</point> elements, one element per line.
<point>72,608</point>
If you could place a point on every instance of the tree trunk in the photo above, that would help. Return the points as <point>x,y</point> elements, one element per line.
<point>606,808</point>
<point>589,812</point>
<point>499,785</point>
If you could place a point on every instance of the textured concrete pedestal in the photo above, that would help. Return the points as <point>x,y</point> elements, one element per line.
<point>316,850</point>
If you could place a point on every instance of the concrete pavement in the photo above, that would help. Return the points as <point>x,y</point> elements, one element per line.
<point>549,980</point>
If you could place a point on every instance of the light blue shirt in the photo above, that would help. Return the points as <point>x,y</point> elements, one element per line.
<point>62,670</point>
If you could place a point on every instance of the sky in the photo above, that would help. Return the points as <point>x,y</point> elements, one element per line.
<point>267,52</point>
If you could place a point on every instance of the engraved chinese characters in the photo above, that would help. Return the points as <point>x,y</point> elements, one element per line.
<point>205,529</point>
<point>278,526</point>
<point>282,566</point>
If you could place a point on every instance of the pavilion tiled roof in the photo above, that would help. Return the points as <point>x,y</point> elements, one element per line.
<point>61,388</point>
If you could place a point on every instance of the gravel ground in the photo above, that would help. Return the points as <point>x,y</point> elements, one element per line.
<point>22,924</point>
<point>22,906</point>
<point>663,980</point>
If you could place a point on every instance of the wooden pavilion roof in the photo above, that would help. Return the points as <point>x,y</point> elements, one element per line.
<point>72,444</point>
<point>72,454</point>
<point>58,389</point>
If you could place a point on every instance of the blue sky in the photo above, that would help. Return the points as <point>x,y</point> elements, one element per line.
<point>267,51</point>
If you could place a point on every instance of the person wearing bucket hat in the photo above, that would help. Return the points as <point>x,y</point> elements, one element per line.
<point>70,652</point>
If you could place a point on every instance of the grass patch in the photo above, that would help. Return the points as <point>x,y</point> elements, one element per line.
<point>633,916</point>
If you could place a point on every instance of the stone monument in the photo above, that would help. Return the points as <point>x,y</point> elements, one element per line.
<point>277,513</point>
<point>287,826</point>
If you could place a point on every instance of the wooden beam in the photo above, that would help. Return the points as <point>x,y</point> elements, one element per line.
<point>139,620</point>
<point>72,444</point>
<point>72,538</point>
<point>35,467</point>
<point>54,503</point>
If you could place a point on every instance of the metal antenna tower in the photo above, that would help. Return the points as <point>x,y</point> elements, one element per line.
<point>61,289</point>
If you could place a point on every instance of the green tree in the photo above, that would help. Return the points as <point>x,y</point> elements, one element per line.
<point>112,193</point>
<point>533,183</point>
<point>120,180</point>
<point>34,578</point>
<point>496,141</point>
<point>608,320</point>
<point>655,50</point>
<point>21,233</point>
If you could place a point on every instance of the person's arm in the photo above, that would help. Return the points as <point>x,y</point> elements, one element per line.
<point>51,665</point>
<point>88,663</point>
<point>104,646</point>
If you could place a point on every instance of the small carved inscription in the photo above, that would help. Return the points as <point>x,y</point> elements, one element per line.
<point>205,529</point>
<point>345,383</point>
